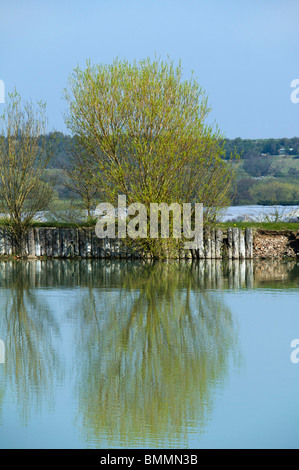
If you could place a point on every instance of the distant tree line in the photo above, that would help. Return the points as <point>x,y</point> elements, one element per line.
<point>266,191</point>
<point>255,158</point>
<point>246,148</point>
<point>66,168</point>
<point>249,148</point>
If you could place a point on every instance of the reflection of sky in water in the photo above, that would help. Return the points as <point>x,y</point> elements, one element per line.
<point>240,393</point>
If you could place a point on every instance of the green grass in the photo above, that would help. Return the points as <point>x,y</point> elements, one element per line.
<point>223,225</point>
<point>64,224</point>
<point>56,224</point>
<point>261,225</point>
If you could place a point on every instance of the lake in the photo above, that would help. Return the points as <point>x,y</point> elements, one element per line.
<point>102,354</point>
<point>261,213</point>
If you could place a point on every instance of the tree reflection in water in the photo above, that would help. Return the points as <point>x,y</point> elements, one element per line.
<point>153,342</point>
<point>28,327</point>
<point>151,352</point>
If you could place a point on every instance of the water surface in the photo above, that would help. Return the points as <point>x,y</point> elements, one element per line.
<point>106,354</point>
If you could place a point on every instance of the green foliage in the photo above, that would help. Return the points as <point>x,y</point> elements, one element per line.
<point>65,212</point>
<point>258,166</point>
<point>249,147</point>
<point>274,192</point>
<point>243,194</point>
<point>82,175</point>
<point>145,127</point>
<point>284,167</point>
<point>262,225</point>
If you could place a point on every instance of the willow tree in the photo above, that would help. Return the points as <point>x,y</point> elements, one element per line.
<point>146,128</point>
<point>24,156</point>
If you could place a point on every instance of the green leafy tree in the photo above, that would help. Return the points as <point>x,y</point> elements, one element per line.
<point>146,129</point>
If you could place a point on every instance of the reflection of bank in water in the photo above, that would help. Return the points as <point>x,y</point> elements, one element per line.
<point>154,341</point>
<point>152,356</point>
<point>31,362</point>
<point>276,273</point>
<point>210,273</point>
<point>2,351</point>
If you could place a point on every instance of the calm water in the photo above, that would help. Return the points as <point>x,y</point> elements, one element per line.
<point>259,213</point>
<point>103,355</point>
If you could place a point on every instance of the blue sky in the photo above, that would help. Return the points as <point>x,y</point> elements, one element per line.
<point>244,53</point>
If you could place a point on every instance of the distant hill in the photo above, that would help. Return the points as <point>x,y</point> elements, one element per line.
<point>266,165</point>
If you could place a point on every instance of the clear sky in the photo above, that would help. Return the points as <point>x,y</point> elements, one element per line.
<point>244,52</point>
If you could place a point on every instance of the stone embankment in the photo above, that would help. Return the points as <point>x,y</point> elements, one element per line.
<point>276,244</point>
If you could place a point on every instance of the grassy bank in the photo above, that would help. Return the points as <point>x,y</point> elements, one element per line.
<point>261,225</point>
<point>223,225</point>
